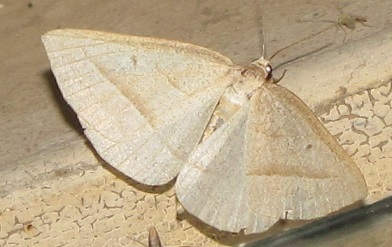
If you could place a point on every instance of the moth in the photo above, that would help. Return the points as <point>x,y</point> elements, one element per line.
<point>350,21</point>
<point>245,151</point>
<point>344,20</point>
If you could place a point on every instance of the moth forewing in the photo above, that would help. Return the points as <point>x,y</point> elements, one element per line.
<point>142,101</point>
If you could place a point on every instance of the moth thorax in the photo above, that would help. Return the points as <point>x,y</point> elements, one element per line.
<point>248,81</point>
<point>242,90</point>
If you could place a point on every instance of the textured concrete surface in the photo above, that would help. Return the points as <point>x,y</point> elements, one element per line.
<point>54,189</point>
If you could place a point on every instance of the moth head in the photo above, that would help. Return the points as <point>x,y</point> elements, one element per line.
<point>265,66</point>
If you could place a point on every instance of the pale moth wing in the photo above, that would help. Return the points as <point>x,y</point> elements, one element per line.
<point>213,186</point>
<point>297,158</point>
<point>143,102</point>
<point>248,152</point>
<point>272,160</point>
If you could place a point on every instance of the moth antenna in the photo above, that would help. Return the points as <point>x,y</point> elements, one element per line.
<point>301,40</point>
<point>263,50</point>
<point>280,78</point>
<point>260,33</point>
